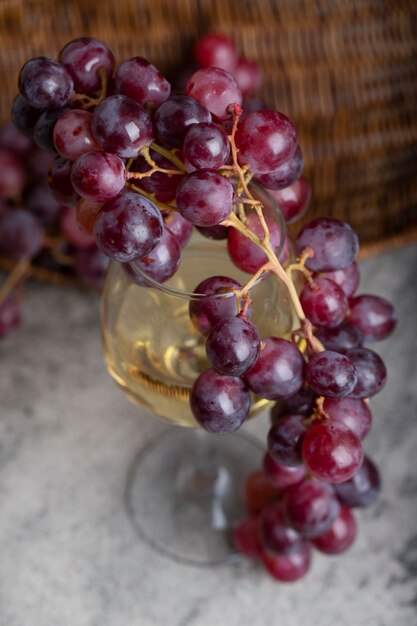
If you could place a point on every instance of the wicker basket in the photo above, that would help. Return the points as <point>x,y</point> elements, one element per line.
<point>344,71</point>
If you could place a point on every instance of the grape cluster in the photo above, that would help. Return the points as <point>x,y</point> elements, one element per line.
<point>145,166</point>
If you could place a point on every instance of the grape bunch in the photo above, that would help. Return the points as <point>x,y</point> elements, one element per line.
<point>145,166</point>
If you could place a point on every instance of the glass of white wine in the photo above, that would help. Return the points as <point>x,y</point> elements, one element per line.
<point>184,491</point>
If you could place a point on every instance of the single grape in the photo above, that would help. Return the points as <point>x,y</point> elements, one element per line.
<point>217,50</point>
<point>311,507</point>
<point>219,403</point>
<point>173,118</point>
<point>274,533</point>
<point>12,175</point>
<point>373,316</point>
<point>72,135</point>
<point>98,176</point>
<point>347,278</point>
<point>43,133</point>
<point>233,346</point>
<point>372,373</point>
<point>21,234</point>
<point>90,265</point>
<point>278,371</point>
<point>122,126</point>
<point>300,403</point>
<point>248,76</point>
<point>69,228</point>
<point>340,339</point>
<point>84,59</point>
<point>331,374</point>
<point>24,116</point>
<point>285,438</point>
<point>206,311</point>
<point>324,303</point>
<point>86,215</point>
<point>281,476</point>
<point>266,140</point>
<point>10,315</point>
<point>179,227</point>
<point>45,84</point>
<point>258,492</point>
<point>333,242</point>
<point>293,200</point>
<point>285,175</point>
<point>59,182</point>
<point>159,264</point>
<point>363,488</point>
<point>215,89</point>
<point>247,255</point>
<point>290,567</point>
<point>40,202</point>
<point>15,141</point>
<point>206,145</point>
<point>204,197</point>
<point>352,412</point>
<point>142,81</point>
<point>332,452</point>
<point>245,538</point>
<point>340,535</point>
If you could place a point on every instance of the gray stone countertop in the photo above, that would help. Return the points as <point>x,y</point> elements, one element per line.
<point>69,555</point>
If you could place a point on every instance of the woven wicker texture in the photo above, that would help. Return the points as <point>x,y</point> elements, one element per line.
<point>344,70</point>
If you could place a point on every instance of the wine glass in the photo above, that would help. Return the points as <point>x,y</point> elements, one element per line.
<point>185,488</point>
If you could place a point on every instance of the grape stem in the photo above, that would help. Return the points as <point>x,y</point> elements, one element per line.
<point>17,275</point>
<point>54,245</point>
<point>154,167</point>
<point>171,156</point>
<point>150,196</point>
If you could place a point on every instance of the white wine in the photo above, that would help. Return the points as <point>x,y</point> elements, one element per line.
<point>151,347</point>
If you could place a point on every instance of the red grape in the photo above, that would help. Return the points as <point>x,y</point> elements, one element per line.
<point>290,567</point>
<point>233,346</point>
<point>215,89</point>
<point>324,303</point>
<point>98,176</point>
<point>374,316</point>
<point>340,535</point>
<point>334,243</point>
<point>142,81</point>
<point>84,58</point>
<point>45,84</point>
<point>204,197</point>
<point>331,374</point>
<point>311,506</point>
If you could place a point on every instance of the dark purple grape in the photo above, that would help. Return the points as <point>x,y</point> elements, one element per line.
<point>334,243</point>
<point>374,316</point>
<point>301,403</point>
<point>206,145</point>
<point>288,567</point>
<point>59,182</point>
<point>21,234</point>
<point>274,533</point>
<point>179,227</point>
<point>293,200</point>
<point>122,126</point>
<point>218,233</point>
<point>340,535</point>
<point>332,452</point>
<point>43,132</point>
<point>340,339</point>
<point>219,403</point>
<point>24,116</point>
<point>142,81</point>
<point>266,140</point>
<point>281,476</point>
<point>15,141</point>
<point>42,203</point>
<point>12,175</point>
<point>204,197</point>
<point>311,507</point>
<point>10,315</point>
<point>352,412</point>
<point>324,303</point>
<point>215,89</point>
<point>285,438</point>
<point>331,374</point>
<point>207,311</point>
<point>372,373</point>
<point>84,58</point>
<point>248,76</point>
<point>279,370</point>
<point>285,175</point>
<point>90,265</point>
<point>363,489</point>
<point>173,118</point>
<point>245,254</point>
<point>233,346</point>
<point>98,176</point>
<point>128,227</point>
<point>159,264</point>
<point>215,49</point>
<point>45,84</point>
<point>347,278</point>
<point>72,134</point>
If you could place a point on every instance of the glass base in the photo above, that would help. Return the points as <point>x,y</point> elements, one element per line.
<point>185,493</point>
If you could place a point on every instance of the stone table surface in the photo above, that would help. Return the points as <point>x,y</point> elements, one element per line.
<point>69,555</point>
